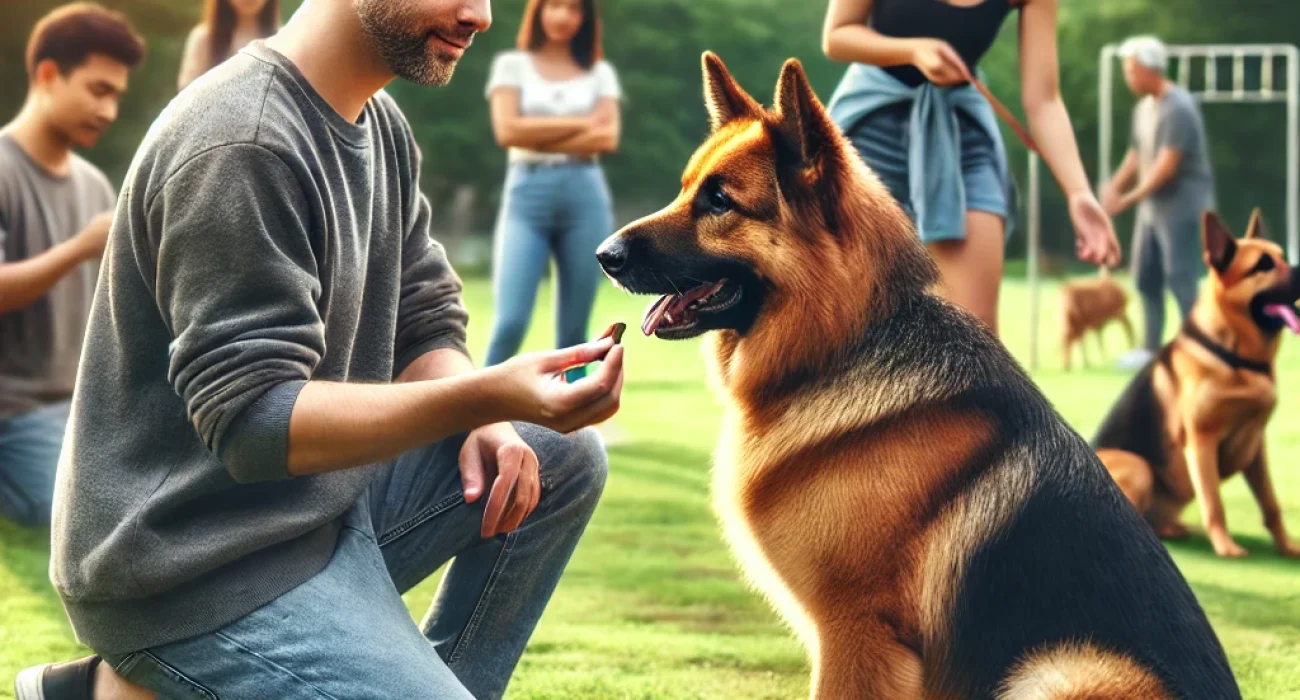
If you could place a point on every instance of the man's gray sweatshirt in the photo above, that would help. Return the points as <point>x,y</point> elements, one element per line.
<point>261,240</point>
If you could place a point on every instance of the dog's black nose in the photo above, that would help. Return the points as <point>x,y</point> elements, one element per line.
<point>612,256</point>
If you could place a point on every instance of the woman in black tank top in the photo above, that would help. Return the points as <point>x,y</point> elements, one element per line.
<point>939,42</point>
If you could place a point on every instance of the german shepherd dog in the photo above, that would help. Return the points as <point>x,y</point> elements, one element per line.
<point>887,475</point>
<point>1196,414</point>
<point>1089,305</point>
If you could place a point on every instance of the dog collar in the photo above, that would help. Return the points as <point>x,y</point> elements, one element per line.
<point>1229,357</point>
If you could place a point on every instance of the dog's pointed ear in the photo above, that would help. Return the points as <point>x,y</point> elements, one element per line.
<point>804,123</point>
<point>723,96</point>
<point>1256,228</point>
<point>1219,245</point>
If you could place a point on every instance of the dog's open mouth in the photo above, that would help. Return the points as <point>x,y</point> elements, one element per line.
<point>676,316</point>
<point>1285,313</point>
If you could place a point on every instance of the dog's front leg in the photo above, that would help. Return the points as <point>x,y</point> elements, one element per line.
<point>1261,484</point>
<point>1203,467</point>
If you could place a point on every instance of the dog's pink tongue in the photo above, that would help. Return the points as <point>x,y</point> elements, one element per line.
<point>1285,312</point>
<point>654,315</point>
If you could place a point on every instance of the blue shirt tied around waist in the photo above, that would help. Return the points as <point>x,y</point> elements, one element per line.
<point>937,193</point>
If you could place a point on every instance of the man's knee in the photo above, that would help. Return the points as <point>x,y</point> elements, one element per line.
<point>573,467</point>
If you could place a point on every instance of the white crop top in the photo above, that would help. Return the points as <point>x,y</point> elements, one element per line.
<point>542,97</point>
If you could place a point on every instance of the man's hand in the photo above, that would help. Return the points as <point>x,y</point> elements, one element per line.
<point>495,455</point>
<point>496,458</point>
<point>1117,203</point>
<point>1112,200</point>
<point>534,390</point>
<point>92,239</point>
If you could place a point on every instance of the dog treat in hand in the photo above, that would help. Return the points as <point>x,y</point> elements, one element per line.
<point>615,330</point>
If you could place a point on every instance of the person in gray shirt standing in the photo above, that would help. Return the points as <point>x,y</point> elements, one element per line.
<point>277,430</point>
<point>1169,158</point>
<point>55,212</point>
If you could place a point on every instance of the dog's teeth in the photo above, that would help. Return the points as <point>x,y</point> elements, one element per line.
<point>668,318</point>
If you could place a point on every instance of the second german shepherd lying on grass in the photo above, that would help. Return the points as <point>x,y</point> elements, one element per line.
<point>887,474</point>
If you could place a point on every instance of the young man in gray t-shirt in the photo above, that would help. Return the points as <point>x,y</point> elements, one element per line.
<point>55,212</point>
<point>1170,160</point>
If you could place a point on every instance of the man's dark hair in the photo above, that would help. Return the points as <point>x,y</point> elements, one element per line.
<point>71,34</point>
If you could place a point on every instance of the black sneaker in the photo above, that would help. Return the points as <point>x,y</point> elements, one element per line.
<point>74,680</point>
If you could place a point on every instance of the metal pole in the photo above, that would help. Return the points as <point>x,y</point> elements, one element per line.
<point>1292,155</point>
<point>1266,76</point>
<point>1238,74</point>
<point>1034,224</point>
<point>1104,116</point>
<point>1211,74</point>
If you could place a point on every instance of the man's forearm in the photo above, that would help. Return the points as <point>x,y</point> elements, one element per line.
<point>436,364</point>
<point>25,281</point>
<point>1161,172</point>
<point>1126,173</point>
<point>342,425</point>
<point>1146,187</point>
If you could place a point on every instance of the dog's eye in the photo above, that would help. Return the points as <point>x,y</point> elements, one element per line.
<point>1264,265</point>
<point>719,201</point>
<point>713,200</point>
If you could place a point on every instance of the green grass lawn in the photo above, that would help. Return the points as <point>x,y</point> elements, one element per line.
<point>651,606</point>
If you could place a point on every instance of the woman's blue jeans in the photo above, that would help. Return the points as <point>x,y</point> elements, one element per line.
<point>561,211</point>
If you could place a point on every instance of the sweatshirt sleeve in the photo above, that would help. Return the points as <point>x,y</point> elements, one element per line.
<point>237,283</point>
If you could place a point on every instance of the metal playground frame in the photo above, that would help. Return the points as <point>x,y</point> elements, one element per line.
<point>1212,58</point>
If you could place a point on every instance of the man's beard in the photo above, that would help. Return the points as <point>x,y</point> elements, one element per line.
<point>403,43</point>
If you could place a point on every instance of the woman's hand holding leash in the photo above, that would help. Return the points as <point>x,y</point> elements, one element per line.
<point>940,63</point>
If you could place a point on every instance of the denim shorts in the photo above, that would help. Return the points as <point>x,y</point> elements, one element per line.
<point>882,139</point>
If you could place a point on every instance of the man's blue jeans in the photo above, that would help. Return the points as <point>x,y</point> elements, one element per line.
<point>29,452</point>
<point>346,632</point>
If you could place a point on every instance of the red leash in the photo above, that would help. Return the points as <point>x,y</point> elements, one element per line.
<point>1006,115</point>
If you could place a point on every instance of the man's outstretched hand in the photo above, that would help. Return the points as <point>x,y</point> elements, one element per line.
<point>494,457</point>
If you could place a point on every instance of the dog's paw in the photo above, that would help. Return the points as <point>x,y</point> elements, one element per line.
<point>1225,547</point>
<point>1287,549</point>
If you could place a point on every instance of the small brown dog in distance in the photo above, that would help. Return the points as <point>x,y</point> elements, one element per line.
<point>1196,414</point>
<point>887,474</point>
<point>1089,305</point>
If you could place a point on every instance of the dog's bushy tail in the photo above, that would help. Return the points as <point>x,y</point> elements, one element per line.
<point>1080,672</point>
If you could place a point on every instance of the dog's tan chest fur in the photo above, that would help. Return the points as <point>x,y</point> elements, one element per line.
<point>737,464</point>
<point>1234,407</point>
<point>841,521</point>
